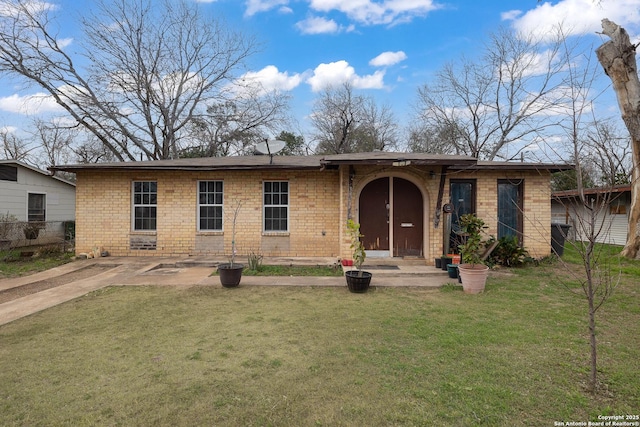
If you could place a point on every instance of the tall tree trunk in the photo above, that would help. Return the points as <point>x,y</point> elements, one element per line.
<point>618,58</point>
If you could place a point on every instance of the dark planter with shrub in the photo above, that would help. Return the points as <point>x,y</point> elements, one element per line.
<point>358,281</point>
<point>230,274</point>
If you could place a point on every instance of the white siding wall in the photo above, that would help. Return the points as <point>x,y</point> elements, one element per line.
<point>60,197</point>
<point>613,226</point>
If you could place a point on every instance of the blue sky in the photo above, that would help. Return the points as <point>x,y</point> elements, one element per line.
<point>385,48</point>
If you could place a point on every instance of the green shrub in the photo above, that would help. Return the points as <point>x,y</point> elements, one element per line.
<point>509,252</point>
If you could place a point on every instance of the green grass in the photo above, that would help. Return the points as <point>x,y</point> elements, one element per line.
<point>294,270</point>
<point>13,265</point>
<point>298,356</point>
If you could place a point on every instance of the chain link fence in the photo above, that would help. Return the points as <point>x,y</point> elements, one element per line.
<point>20,234</point>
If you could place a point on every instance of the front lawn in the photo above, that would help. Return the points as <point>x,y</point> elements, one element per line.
<point>298,356</point>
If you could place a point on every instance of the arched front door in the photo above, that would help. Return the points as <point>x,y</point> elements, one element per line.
<point>391,217</point>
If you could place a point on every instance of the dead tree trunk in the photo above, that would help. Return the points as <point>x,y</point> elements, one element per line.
<point>618,58</point>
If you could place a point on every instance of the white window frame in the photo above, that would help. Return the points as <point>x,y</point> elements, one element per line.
<point>135,205</point>
<point>265,206</point>
<point>220,205</point>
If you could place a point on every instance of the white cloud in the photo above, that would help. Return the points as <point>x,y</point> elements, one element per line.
<point>510,15</point>
<point>8,129</point>
<point>37,103</point>
<point>369,12</point>
<point>64,42</point>
<point>336,73</point>
<point>270,79</point>
<point>34,7</point>
<point>386,59</point>
<point>317,25</point>
<point>575,16</point>
<point>257,6</point>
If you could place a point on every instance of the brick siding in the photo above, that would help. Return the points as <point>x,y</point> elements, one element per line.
<point>318,210</point>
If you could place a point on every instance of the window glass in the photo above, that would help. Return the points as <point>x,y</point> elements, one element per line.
<point>276,206</point>
<point>210,199</point>
<point>145,210</point>
<point>36,210</point>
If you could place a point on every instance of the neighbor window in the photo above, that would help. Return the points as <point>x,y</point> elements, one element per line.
<point>145,207</point>
<point>210,205</point>
<point>37,204</point>
<point>276,206</point>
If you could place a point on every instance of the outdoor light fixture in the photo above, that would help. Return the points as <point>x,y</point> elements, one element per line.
<point>401,162</point>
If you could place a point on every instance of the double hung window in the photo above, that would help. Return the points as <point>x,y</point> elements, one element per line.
<point>37,207</point>
<point>145,205</point>
<point>276,206</point>
<point>210,202</point>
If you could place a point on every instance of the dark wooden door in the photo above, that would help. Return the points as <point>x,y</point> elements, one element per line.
<point>407,219</point>
<point>374,215</point>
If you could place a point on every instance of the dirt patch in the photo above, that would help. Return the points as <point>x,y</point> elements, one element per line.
<point>41,285</point>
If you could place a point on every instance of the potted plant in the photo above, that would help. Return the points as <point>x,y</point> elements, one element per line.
<point>445,260</point>
<point>7,222</point>
<point>32,229</point>
<point>473,270</point>
<point>357,280</point>
<point>231,273</point>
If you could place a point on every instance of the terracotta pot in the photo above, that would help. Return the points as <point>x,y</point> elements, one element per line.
<point>474,277</point>
<point>230,276</point>
<point>357,283</point>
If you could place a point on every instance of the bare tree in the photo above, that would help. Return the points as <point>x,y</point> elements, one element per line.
<point>234,125</point>
<point>13,147</point>
<point>151,65</point>
<point>610,154</point>
<point>447,138</point>
<point>55,141</point>
<point>618,58</point>
<point>91,150</point>
<point>345,122</point>
<point>594,277</point>
<point>506,99</point>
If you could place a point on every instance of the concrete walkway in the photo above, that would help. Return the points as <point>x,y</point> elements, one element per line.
<point>194,271</point>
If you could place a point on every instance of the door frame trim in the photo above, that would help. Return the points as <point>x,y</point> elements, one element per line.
<point>426,243</point>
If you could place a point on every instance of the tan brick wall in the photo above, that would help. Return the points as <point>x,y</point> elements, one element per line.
<point>318,210</point>
<point>536,204</point>
<point>104,213</point>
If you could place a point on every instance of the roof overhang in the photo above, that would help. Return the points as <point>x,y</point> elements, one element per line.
<point>547,167</point>
<point>385,159</point>
<point>397,159</point>
<point>229,163</point>
<point>591,191</point>
<point>18,163</point>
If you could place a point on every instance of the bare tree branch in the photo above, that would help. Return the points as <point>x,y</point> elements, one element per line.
<point>150,67</point>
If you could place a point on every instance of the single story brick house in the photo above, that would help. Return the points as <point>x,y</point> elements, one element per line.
<point>407,204</point>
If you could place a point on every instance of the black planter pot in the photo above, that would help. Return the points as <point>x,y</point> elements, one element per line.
<point>445,260</point>
<point>230,276</point>
<point>358,284</point>
<point>452,270</point>
<point>438,262</point>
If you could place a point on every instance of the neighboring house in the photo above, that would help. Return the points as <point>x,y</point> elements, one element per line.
<point>299,205</point>
<point>612,207</point>
<point>35,196</point>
